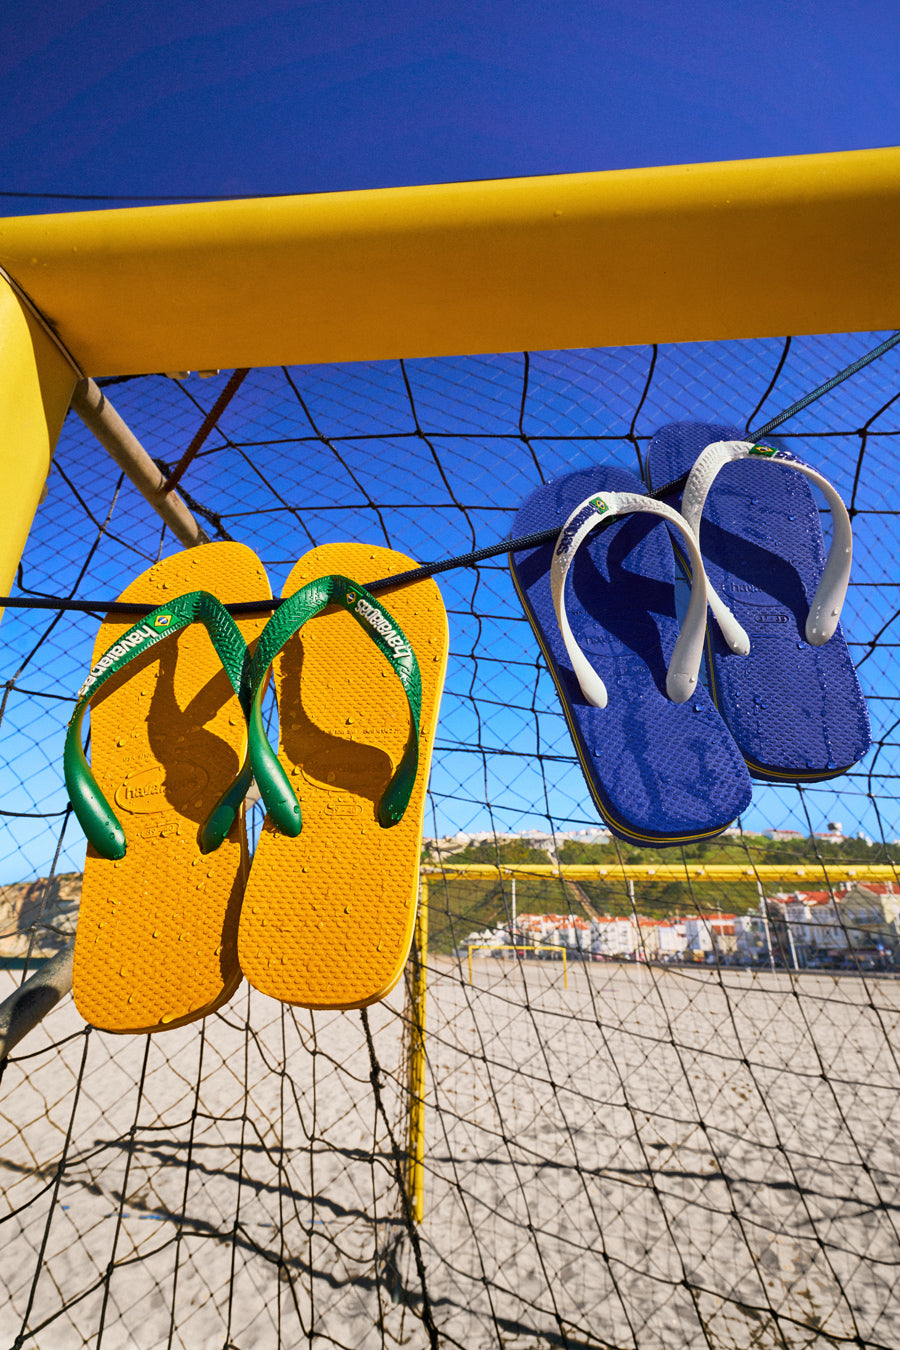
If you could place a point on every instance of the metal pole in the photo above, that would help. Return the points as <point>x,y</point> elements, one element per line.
<point>30,1003</point>
<point>787,920</point>
<point>763,909</point>
<point>100,417</point>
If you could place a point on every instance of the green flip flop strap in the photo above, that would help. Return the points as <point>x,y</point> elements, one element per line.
<point>375,621</point>
<point>93,811</point>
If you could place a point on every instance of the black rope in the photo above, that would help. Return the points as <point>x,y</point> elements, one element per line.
<point>408,578</point>
<point>127,607</point>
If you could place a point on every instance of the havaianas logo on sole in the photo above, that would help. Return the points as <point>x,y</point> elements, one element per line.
<point>118,649</point>
<point>399,646</point>
<point>594,504</point>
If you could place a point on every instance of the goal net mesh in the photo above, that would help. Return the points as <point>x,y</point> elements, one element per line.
<point>631,1153</point>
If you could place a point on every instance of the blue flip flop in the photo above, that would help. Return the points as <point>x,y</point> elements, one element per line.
<point>780,671</point>
<point>659,762</point>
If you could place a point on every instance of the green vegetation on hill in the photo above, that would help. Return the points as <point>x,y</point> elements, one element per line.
<point>458,906</point>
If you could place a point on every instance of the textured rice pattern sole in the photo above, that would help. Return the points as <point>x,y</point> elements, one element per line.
<point>328,917</point>
<point>660,773</point>
<point>156,945</point>
<point>797,712</point>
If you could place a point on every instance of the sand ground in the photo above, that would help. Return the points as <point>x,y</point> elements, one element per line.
<point>652,1157</point>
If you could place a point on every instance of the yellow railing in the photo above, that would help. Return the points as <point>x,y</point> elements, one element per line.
<point>814,873</point>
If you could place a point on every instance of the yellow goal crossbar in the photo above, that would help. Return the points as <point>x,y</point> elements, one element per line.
<point>746,248</point>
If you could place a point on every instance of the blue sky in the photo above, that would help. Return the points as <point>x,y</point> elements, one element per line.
<point>133,102</point>
<point>138,98</point>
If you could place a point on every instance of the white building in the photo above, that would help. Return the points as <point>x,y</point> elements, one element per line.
<point>670,939</point>
<point>706,933</point>
<point>809,924</point>
<point>614,936</point>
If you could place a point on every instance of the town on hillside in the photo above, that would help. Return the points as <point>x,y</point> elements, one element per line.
<point>857,928</point>
<point>851,926</point>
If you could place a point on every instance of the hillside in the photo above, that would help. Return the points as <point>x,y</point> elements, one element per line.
<point>459,906</point>
<point>51,906</point>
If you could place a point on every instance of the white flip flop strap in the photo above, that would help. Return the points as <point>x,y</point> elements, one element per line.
<point>825,610</point>
<point>684,666</point>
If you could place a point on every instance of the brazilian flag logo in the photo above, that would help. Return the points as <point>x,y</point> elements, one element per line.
<point>763,451</point>
<point>162,620</point>
<point>599,505</point>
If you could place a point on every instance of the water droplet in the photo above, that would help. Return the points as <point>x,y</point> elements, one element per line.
<point>155,933</point>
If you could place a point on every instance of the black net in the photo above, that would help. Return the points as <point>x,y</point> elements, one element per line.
<point>691,1142</point>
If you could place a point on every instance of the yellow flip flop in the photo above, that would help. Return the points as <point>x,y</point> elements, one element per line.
<point>162,803</point>
<point>330,906</point>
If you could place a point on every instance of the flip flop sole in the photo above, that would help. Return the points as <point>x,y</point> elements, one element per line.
<point>328,916</point>
<point>156,943</point>
<point>796,711</point>
<point>660,773</point>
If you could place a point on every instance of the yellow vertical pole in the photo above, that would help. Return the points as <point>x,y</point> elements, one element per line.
<point>416,1168</point>
<point>36,384</point>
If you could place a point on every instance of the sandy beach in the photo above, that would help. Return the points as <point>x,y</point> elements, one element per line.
<point>656,1158</point>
